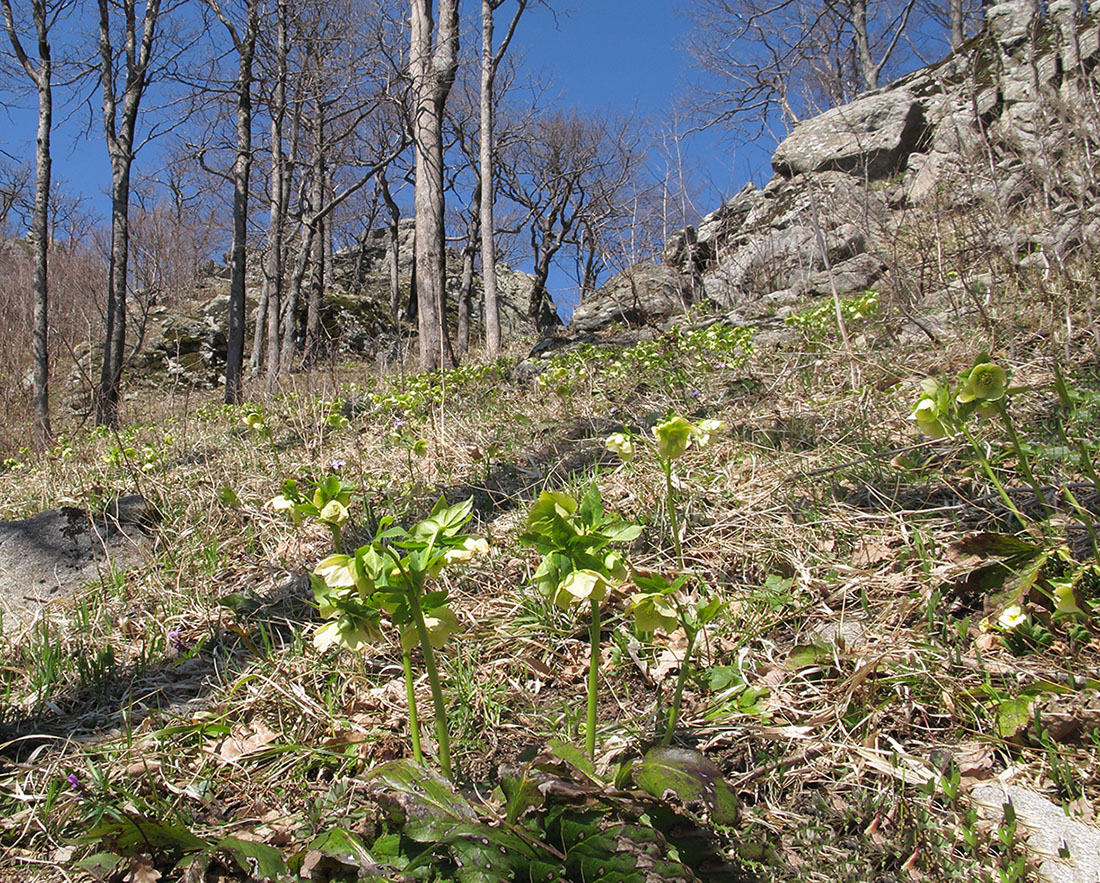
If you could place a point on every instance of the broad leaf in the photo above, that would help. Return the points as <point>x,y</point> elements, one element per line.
<point>692,779</point>
<point>258,860</point>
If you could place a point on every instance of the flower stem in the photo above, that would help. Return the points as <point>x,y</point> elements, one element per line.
<point>1005,498</point>
<point>433,680</point>
<point>681,680</point>
<point>1021,457</point>
<point>593,679</point>
<point>414,723</point>
<point>673,523</point>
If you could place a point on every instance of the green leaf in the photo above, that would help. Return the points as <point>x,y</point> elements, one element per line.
<point>591,506</point>
<point>258,860</point>
<point>1013,716</point>
<point>692,778</point>
<point>132,833</point>
<point>101,865</point>
<point>420,800</point>
<point>546,516</point>
<point>521,789</point>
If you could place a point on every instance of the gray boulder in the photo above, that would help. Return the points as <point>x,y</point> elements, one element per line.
<point>59,551</point>
<point>872,137</point>
<point>645,294</point>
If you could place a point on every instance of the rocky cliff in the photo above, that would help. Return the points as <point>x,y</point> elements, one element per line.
<point>960,174</point>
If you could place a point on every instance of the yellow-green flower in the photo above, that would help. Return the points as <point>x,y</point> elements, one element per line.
<point>440,623</point>
<point>580,585</point>
<point>339,572</point>
<point>673,437</point>
<point>987,383</point>
<point>652,611</point>
<point>704,429</point>
<point>334,512</point>
<point>927,417</point>
<point>622,444</point>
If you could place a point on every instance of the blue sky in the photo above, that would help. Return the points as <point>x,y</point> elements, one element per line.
<point>624,56</point>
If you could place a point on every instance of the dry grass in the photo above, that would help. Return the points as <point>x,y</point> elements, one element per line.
<point>843,674</point>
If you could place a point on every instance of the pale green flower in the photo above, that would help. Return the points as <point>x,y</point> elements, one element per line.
<point>652,611</point>
<point>440,623</point>
<point>927,417</point>
<point>1065,601</point>
<point>704,429</point>
<point>622,444</point>
<point>338,571</point>
<point>580,585</point>
<point>334,512</point>
<point>673,437</point>
<point>987,383</point>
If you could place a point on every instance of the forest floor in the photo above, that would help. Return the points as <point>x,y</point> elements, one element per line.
<point>894,637</point>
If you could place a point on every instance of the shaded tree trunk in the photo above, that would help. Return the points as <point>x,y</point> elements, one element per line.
<point>433,62</point>
<point>41,75</point>
<point>245,45</point>
<point>119,132</point>
<point>274,267</point>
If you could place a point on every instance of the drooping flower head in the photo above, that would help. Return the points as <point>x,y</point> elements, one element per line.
<point>987,383</point>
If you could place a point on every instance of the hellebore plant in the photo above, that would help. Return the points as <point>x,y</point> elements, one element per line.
<point>578,567</point>
<point>328,503</point>
<point>672,439</point>
<point>658,606</point>
<point>388,576</point>
<point>982,389</point>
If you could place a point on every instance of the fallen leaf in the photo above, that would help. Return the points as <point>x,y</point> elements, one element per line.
<point>244,740</point>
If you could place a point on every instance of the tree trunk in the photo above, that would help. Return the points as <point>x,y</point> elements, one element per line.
<point>119,134</point>
<point>393,254</point>
<point>274,269</point>
<point>234,360</point>
<point>490,297</point>
<point>490,61</point>
<point>433,61</point>
<point>42,77</point>
<point>317,274</point>
<point>955,12</point>
<point>40,225</point>
<point>868,71</point>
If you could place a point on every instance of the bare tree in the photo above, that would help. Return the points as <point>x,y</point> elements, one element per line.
<point>244,44</point>
<point>573,176</point>
<point>490,62</point>
<point>433,63</point>
<point>124,76</point>
<point>40,71</point>
<point>776,62</point>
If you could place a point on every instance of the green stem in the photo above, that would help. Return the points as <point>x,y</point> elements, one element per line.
<point>593,679</point>
<point>1005,498</point>
<point>673,523</point>
<point>1086,519</point>
<point>414,723</point>
<point>1021,457</point>
<point>433,679</point>
<point>681,680</point>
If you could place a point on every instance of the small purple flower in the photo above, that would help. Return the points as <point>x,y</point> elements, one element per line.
<point>176,638</point>
<point>338,464</point>
<point>74,780</point>
<point>695,393</point>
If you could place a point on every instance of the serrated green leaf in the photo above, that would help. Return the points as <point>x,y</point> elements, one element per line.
<point>420,800</point>
<point>258,860</point>
<point>522,792</point>
<point>132,833</point>
<point>693,779</point>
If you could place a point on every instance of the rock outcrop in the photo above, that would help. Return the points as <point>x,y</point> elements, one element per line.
<point>1000,134</point>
